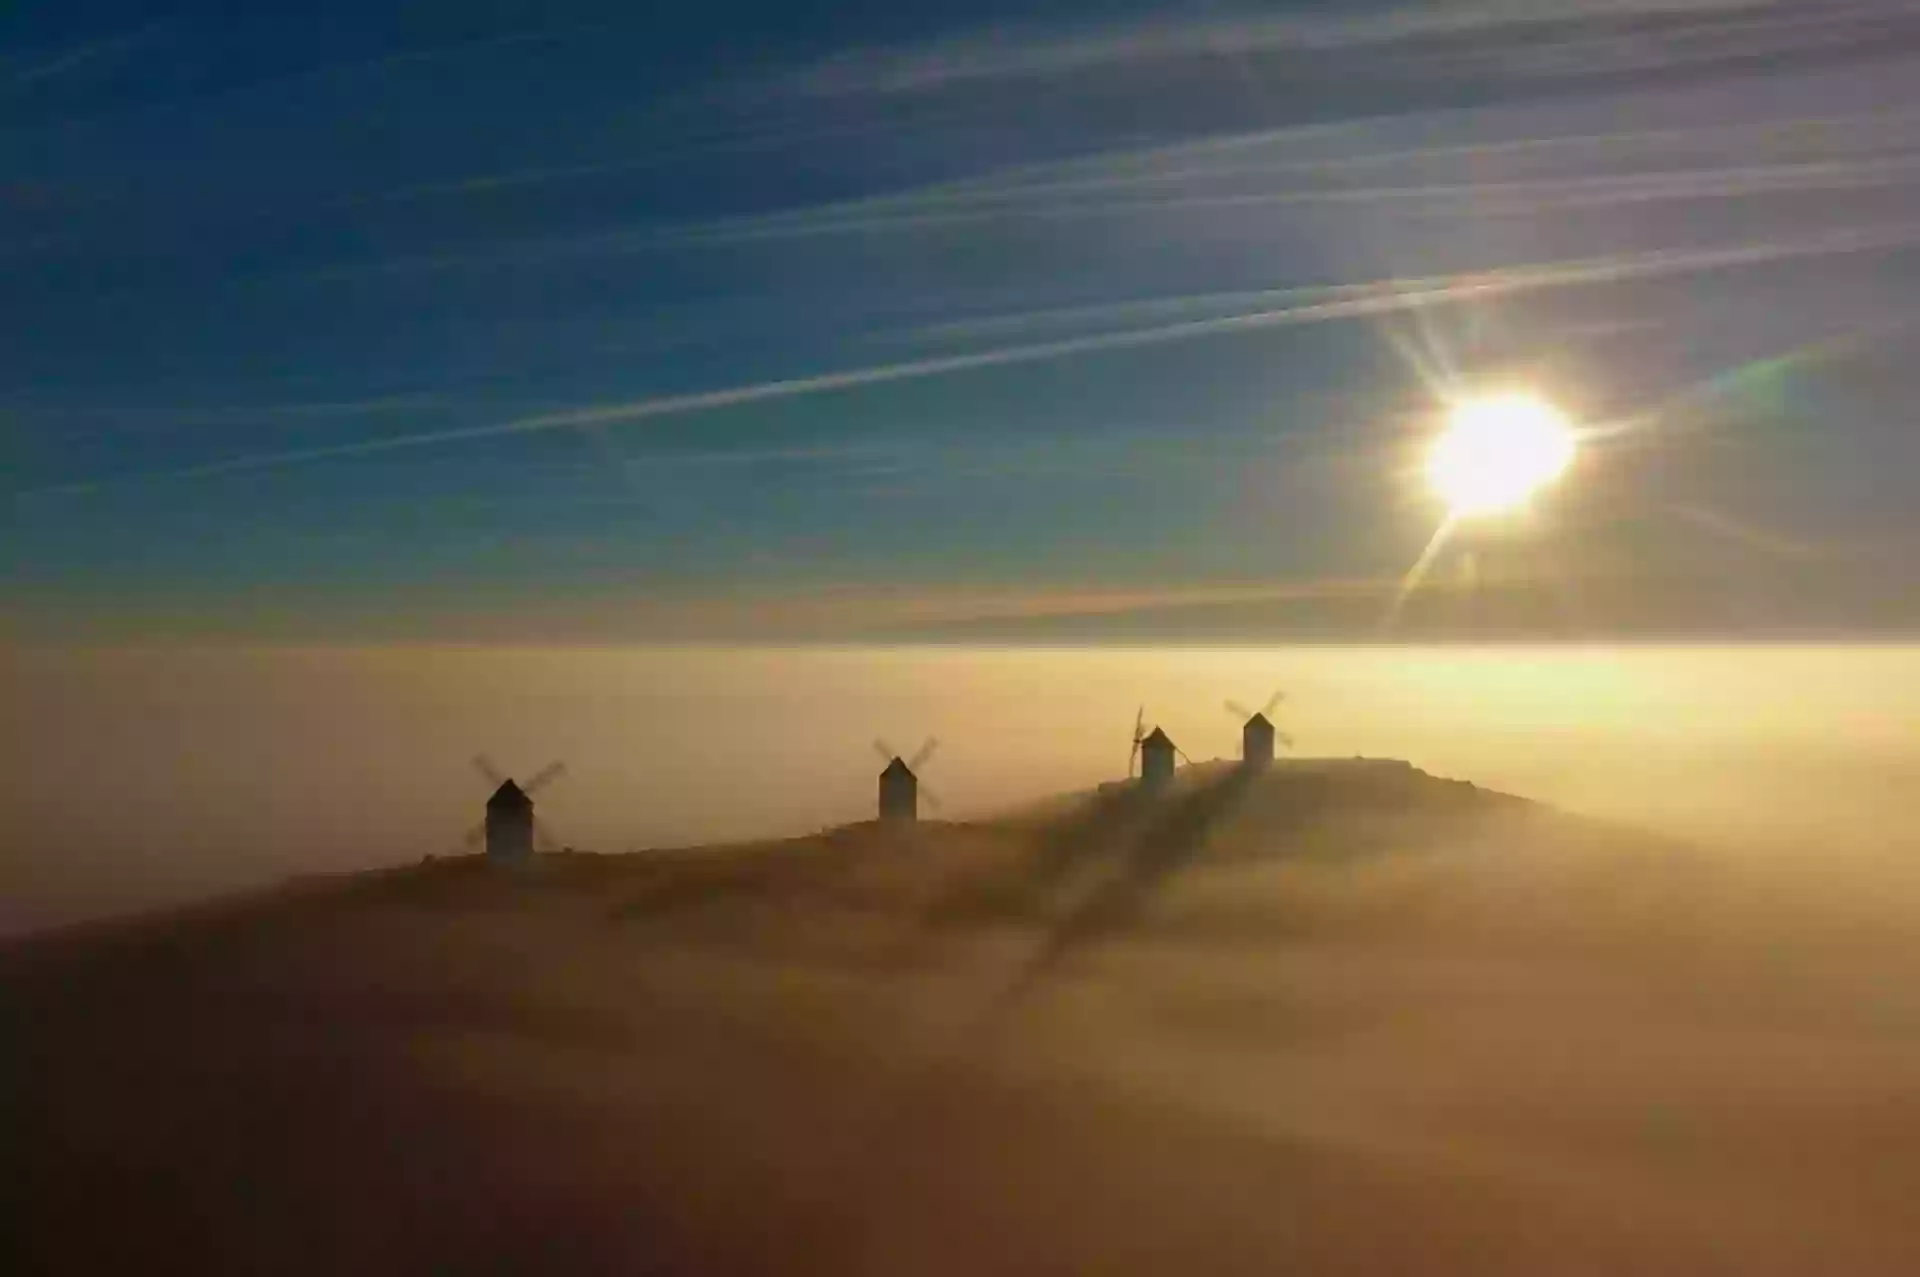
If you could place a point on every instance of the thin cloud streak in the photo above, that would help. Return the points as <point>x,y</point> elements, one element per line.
<point>1050,175</point>
<point>1632,188</point>
<point>862,611</point>
<point>1144,308</point>
<point>1189,158</point>
<point>223,416</point>
<point>687,143</point>
<point>1726,527</point>
<point>26,78</point>
<point>1044,193</point>
<point>1382,299</point>
<point>1711,30</point>
<point>1186,162</point>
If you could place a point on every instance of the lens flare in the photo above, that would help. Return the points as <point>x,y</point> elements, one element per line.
<point>1498,451</point>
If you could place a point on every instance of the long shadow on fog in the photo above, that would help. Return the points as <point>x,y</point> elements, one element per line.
<point>1063,852</point>
<point>1126,830</point>
<point>1174,837</point>
<point>1233,816</point>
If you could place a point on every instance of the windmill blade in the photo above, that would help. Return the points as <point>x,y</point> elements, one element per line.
<point>485,767</point>
<point>544,836</point>
<point>926,753</point>
<point>475,834</point>
<point>545,776</point>
<point>1284,739</point>
<point>1140,725</point>
<point>1183,755</point>
<point>887,752</point>
<point>1273,703</point>
<point>933,798</point>
<point>1239,711</point>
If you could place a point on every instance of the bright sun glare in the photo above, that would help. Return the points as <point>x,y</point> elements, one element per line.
<point>1498,451</point>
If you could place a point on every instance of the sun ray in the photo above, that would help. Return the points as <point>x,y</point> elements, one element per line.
<point>1425,362</point>
<point>1417,573</point>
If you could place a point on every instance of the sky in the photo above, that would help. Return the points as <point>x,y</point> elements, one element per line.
<point>984,323</point>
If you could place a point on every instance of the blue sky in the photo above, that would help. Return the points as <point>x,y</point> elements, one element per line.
<point>573,322</point>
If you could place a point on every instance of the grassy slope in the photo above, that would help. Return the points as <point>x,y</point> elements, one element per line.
<point>1354,1022</point>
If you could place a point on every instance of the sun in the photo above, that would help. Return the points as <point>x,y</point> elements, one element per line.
<point>1498,451</point>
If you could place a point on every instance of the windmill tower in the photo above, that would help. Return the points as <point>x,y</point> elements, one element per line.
<point>900,787</point>
<point>510,830</point>
<point>509,825</point>
<point>1257,733</point>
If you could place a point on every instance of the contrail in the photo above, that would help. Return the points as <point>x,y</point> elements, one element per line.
<point>959,209</point>
<point>1746,25</point>
<point>1727,527</point>
<point>27,77</point>
<point>1176,161</point>
<point>1543,193</point>
<point>1182,162</point>
<point>1044,189</point>
<point>1165,308</point>
<point>1387,297</point>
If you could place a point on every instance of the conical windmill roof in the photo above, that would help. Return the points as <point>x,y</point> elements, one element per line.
<point>509,795</point>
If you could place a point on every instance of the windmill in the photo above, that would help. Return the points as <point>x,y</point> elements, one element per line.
<point>1257,733</point>
<point>510,830</point>
<point>900,787</point>
<point>1154,751</point>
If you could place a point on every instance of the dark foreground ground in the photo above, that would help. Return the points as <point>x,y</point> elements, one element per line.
<point>1314,1024</point>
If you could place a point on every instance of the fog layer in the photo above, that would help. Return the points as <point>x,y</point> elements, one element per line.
<point>135,777</point>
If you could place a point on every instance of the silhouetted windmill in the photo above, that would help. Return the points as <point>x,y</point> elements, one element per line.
<point>900,787</point>
<point>510,830</point>
<point>1155,752</point>
<point>1257,732</point>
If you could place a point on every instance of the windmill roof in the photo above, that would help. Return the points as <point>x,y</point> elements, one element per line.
<point>509,795</point>
<point>1259,720</point>
<point>898,767</point>
<point>1158,738</point>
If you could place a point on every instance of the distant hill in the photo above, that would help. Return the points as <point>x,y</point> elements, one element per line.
<point>1338,1016</point>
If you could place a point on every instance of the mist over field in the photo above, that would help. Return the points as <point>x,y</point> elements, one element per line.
<point>140,776</point>
<point>1329,1018</point>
